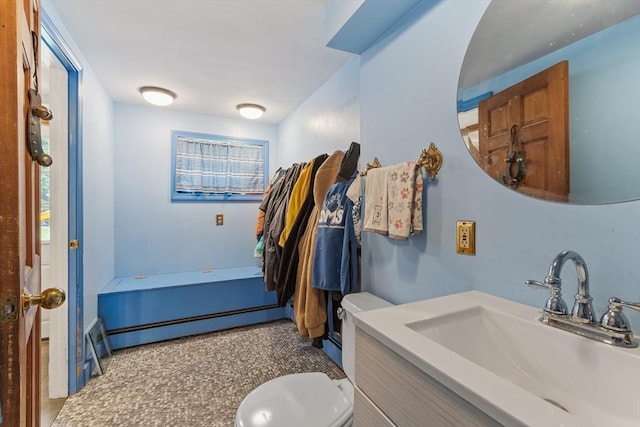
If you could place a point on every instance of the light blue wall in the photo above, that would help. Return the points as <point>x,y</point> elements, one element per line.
<point>408,97</point>
<point>408,86</point>
<point>155,236</point>
<point>329,120</point>
<point>97,179</point>
<point>98,192</point>
<point>606,81</point>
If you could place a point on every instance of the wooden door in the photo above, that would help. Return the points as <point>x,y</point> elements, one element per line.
<point>19,218</point>
<point>532,115</point>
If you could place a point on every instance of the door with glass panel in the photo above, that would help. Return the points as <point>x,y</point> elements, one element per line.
<point>54,214</point>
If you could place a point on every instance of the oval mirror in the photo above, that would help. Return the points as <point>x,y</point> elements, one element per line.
<point>549,98</point>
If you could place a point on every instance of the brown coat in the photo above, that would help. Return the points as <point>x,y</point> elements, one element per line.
<point>309,303</point>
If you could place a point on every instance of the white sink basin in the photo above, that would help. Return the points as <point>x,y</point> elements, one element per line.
<point>497,355</point>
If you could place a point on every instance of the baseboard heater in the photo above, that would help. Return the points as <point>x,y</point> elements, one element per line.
<point>188,319</point>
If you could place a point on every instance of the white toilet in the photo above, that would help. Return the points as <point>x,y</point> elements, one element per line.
<point>311,399</point>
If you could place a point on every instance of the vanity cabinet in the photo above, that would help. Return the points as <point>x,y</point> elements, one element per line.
<point>391,391</point>
<point>366,413</point>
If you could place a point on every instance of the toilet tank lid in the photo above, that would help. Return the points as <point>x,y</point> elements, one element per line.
<point>363,301</point>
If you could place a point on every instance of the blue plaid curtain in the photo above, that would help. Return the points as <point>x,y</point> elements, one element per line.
<point>219,167</point>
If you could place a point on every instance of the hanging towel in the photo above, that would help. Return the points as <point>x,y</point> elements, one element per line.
<point>354,193</point>
<point>404,200</point>
<point>375,201</point>
<point>416,212</point>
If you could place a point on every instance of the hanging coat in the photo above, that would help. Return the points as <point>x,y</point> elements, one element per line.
<point>290,254</point>
<point>309,303</point>
<point>335,264</point>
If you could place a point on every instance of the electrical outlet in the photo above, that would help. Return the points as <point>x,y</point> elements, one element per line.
<point>219,219</point>
<point>466,237</point>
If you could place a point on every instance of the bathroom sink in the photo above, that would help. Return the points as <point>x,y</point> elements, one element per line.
<point>497,355</point>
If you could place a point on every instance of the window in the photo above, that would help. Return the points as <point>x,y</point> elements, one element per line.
<point>212,167</point>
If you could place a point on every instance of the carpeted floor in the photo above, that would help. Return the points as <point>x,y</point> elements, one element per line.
<point>194,381</point>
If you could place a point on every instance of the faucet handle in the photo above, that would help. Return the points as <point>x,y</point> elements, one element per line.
<point>555,304</point>
<point>536,284</point>
<point>614,319</point>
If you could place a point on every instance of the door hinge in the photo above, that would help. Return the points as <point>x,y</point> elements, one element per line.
<point>74,244</point>
<point>8,309</point>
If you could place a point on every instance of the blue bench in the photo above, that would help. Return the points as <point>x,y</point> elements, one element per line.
<point>140,310</point>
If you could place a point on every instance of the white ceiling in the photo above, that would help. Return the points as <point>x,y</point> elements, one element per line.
<point>214,54</point>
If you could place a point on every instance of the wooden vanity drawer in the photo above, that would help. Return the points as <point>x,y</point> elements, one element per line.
<point>366,414</point>
<point>405,394</point>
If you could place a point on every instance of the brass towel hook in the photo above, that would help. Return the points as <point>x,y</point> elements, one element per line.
<point>430,160</point>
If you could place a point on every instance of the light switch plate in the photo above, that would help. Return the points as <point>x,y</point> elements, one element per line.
<point>219,219</point>
<point>466,237</point>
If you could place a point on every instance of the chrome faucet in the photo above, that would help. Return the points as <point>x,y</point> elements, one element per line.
<point>582,311</point>
<point>613,327</point>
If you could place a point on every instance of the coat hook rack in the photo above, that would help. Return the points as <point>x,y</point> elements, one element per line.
<point>375,164</point>
<point>430,159</point>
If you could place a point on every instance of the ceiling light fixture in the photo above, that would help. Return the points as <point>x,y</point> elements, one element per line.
<point>157,95</point>
<point>251,111</point>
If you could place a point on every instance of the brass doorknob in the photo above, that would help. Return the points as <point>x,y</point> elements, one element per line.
<point>49,298</point>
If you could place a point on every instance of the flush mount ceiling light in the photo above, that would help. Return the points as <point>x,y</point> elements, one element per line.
<point>251,111</point>
<point>157,95</point>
